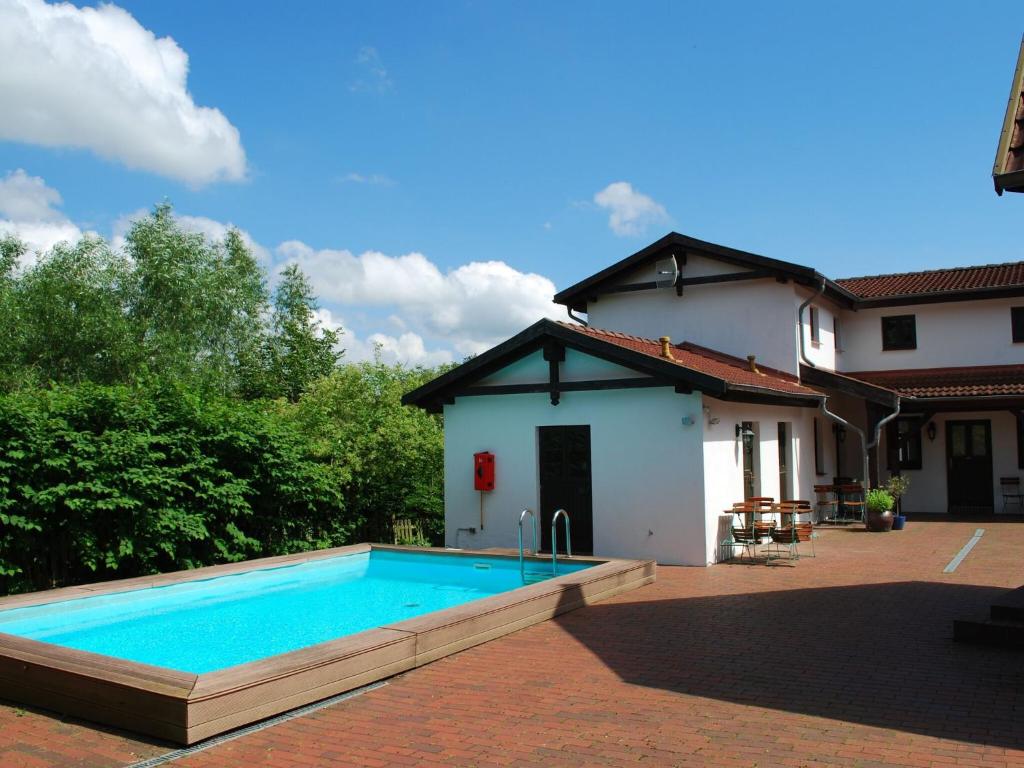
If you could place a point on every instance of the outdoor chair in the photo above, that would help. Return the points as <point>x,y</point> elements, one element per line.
<point>826,503</point>
<point>851,503</point>
<point>748,529</point>
<point>790,537</point>
<point>790,507</point>
<point>1011,492</point>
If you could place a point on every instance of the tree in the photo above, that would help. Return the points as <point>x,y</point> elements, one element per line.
<point>302,349</point>
<point>69,310</point>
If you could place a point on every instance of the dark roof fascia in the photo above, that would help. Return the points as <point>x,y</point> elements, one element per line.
<point>576,296</point>
<point>1009,182</point>
<point>819,377</point>
<point>964,403</point>
<point>942,297</point>
<point>741,393</point>
<point>434,393</point>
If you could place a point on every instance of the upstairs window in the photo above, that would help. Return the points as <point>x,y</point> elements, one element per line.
<point>815,327</point>
<point>838,340</point>
<point>899,332</point>
<point>1017,323</point>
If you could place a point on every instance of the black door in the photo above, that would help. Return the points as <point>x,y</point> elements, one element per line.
<point>969,466</point>
<point>565,484</point>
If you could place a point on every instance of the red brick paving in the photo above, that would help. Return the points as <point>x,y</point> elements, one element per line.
<point>843,660</point>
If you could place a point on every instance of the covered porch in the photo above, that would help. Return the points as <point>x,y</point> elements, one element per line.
<point>957,435</point>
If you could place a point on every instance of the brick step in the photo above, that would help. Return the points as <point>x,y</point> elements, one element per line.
<point>1001,633</point>
<point>1009,607</point>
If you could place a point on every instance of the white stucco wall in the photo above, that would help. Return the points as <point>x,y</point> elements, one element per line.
<point>823,354</point>
<point>951,334</point>
<point>748,317</point>
<point>647,469</point>
<point>723,458</point>
<point>928,485</point>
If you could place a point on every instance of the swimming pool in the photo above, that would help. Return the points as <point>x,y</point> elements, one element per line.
<point>210,624</point>
<point>184,656</point>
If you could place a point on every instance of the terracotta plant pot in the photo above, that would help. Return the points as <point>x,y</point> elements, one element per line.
<point>878,521</point>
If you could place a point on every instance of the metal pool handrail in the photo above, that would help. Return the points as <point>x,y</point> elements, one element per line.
<point>554,539</point>
<point>522,516</point>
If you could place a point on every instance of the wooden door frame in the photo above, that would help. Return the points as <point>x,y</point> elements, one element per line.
<point>948,428</point>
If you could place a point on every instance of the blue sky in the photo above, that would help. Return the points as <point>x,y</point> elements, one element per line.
<point>853,137</point>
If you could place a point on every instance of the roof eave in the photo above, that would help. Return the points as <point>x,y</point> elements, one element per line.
<point>577,296</point>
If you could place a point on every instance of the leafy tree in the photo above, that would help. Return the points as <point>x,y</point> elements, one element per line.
<point>394,453</point>
<point>69,310</point>
<point>302,349</point>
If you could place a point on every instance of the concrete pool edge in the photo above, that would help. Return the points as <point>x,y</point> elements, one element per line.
<point>185,708</point>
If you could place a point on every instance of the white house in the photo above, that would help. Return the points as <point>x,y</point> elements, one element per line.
<point>703,375</point>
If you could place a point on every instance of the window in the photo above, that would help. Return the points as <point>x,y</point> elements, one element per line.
<point>1017,323</point>
<point>785,477</point>
<point>819,456</point>
<point>899,332</point>
<point>835,334</point>
<point>904,449</point>
<point>751,482</point>
<point>1020,441</point>
<point>815,327</point>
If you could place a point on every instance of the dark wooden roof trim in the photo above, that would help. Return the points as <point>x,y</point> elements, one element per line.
<point>577,296</point>
<point>819,377</point>
<point>739,393</point>
<point>1004,175</point>
<point>938,297</point>
<point>434,394</point>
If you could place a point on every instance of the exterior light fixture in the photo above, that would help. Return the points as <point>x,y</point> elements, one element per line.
<point>840,431</point>
<point>930,430</point>
<point>741,432</point>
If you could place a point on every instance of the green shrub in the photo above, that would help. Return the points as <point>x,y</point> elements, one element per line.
<point>879,500</point>
<point>108,482</point>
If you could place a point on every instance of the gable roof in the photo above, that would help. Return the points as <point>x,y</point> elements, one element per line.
<point>939,285</point>
<point>957,282</point>
<point>1008,171</point>
<point>576,296</point>
<point>694,367</point>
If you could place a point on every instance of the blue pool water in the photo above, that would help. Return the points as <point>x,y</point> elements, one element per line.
<point>202,626</point>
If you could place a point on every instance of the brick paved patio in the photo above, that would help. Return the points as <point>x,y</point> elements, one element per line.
<point>842,660</point>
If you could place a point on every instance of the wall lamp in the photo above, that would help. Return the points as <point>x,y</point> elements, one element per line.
<point>840,431</point>
<point>741,432</point>
<point>930,430</point>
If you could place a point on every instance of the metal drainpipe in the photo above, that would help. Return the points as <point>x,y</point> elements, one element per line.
<point>883,422</point>
<point>863,437</point>
<point>800,323</point>
<point>579,320</point>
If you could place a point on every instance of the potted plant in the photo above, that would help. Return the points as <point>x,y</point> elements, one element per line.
<point>879,510</point>
<point>897,486</point>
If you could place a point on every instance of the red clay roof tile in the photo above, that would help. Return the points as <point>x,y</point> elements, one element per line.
<point>936,281</point>
<point>732,370</point>
<point>968,381</point>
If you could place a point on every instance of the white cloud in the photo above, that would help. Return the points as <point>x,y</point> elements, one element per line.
<point>373,179</point>
<point>471,307</point>
<point>94,78</point>
<point>373,76</point>
<point>407,348</point>
<point>631,211</point>
<point>28,210</point>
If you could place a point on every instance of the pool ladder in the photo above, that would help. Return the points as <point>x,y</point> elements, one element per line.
<point>522,562</point>
<point>554,540</point>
